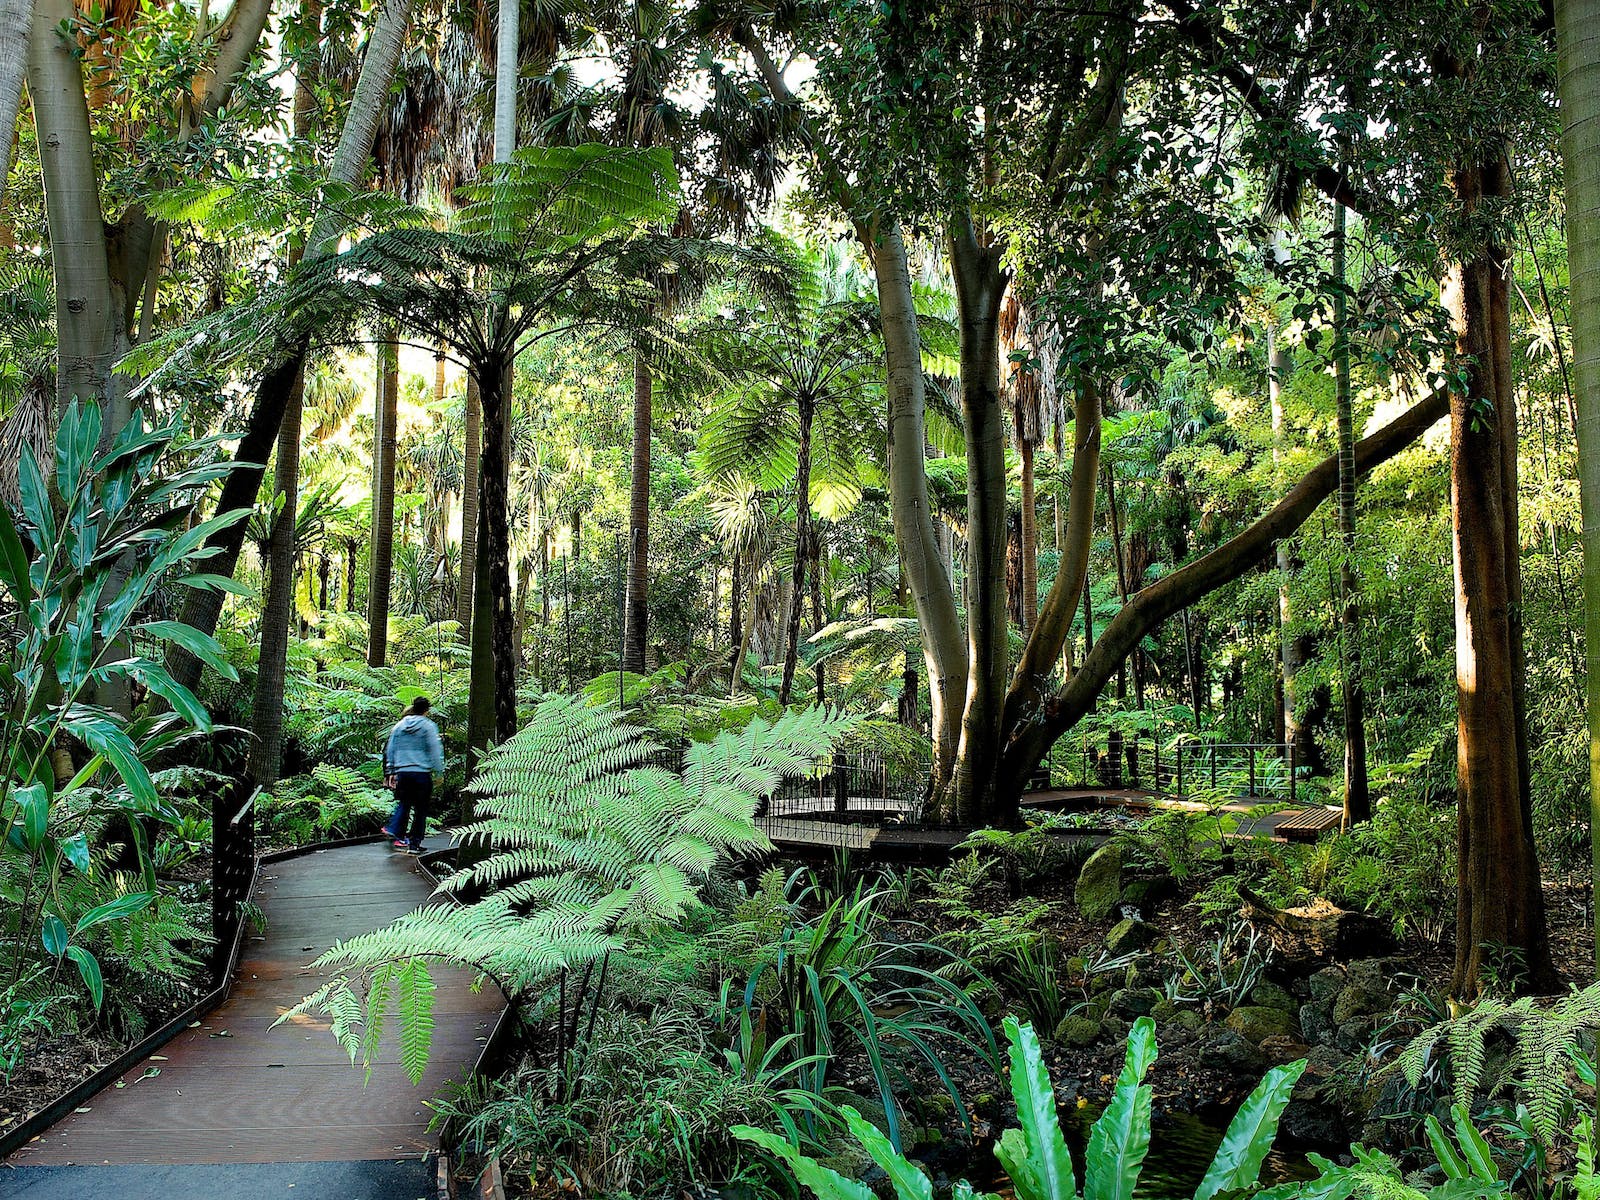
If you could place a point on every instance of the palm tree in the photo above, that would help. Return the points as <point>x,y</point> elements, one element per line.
<point>15,18</point>
<point>1579,51</point>
<point>746,526</point>
<point>811,359</point>
<point>385,423</point>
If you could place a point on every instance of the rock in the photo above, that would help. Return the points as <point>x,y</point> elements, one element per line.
<point>1114,1029</point>
<point>1100,882</point>
<point>1256,1024</point>
<point>1316,1022</point>
<point>1358,1001</point>
<point>1283,1048</point>
<point>1327,983</point>
<point>1165,1012</point>
<point>1370,973</point>
<point>1131,1003</point>
<point>1078,1031</point>
<point>1353,1035</point>
<point>1126,936</point>
<point>1190,1020</point>
<point>1313,1122</point>
<point>1225,1048</point>
<point>1269,995</point>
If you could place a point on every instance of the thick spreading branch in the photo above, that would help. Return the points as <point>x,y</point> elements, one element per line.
<point>1150,607</point>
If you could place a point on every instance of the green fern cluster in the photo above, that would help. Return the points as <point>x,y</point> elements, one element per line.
<point>1542,1042</point>
<point>589,848</point>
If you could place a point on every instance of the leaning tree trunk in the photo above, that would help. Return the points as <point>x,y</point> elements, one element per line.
<point>980,289</point>
<point>16,21</point>
<point>1578,41</point>
<point>203,608</point>
<point>803,536</point>
<point>1357,802</point>
<point>1500,901</point>
<point>386,416</point>
<point>636,611</point>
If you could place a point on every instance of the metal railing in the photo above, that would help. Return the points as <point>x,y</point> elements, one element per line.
<point>233,867</point>
<point>1182,767</point>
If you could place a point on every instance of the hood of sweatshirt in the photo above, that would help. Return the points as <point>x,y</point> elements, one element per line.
<point>411,723</point>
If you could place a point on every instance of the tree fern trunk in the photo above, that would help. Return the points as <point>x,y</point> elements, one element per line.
<point>637,605</point>
<point>469,510</point>
<point>1578,40</point>
<point>386,417</point>
<point>802,545</point>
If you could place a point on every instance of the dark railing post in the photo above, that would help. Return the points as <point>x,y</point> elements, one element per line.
<point>233,858</point>
<point>841,782</point>
<point>1155,769</point>
<point>1252,770</point>
<point>1213,767</point>
<point>1179,790</point>
<point>1292,773</point>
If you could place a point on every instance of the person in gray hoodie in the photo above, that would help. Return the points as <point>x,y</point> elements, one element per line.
<point>412,756</point>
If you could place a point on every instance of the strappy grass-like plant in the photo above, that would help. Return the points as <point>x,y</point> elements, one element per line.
<point>587,849</point>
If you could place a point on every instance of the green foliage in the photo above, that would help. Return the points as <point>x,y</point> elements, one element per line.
<point>1034,1154</point>
<point>589,849</point>
<point>331,802</point>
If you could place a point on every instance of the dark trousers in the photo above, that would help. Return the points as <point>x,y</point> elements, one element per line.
<point>413,792</point>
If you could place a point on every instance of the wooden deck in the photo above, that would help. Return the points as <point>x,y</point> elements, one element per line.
<point>234,1090</point>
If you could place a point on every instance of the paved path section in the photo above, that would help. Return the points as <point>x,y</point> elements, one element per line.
<point>234,1090</point>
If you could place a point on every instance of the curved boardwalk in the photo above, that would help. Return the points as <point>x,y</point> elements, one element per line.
<point>232,1090</point>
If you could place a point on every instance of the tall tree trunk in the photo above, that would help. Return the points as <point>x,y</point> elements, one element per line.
<point>1295,648</point>
<point>1030,540</point>
<point>753,596</point>
<point>1357,802</point>
<point>636,616</point>
<point>803,535</point>
<point>495,527</point>
<point>1500,901</point>
<point>1578,42</point>
<point>981,283</point>
<point>386,419</point>
<point>202,609</point>
<point>735,602</point>
<point>16,22</point>
<point>928,574</point>
<point>469,510</point>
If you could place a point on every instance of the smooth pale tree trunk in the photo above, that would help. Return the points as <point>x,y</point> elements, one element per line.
<point>1357,802</point>
<point>1172,593</point>
<point>202,609</point>
<point>804,550</point>
<point>469,509</point>
<point>928,574</point>
<point>1295,648</point>
<point>753,596</point>
<point>386,419</point>
<point>16,23</point>
<point>277,606</point>
<point>981,282</point>
<point>1578,45</point>
<point>636,611</point>
<point>1030,540</point>
<point>87,344</point>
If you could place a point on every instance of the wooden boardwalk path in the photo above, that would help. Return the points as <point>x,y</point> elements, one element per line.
<point>235,1090</point>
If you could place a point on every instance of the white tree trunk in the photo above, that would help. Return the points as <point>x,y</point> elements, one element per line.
<point>16,22</point>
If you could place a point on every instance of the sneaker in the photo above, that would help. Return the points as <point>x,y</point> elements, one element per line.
<point>400,844</point>
<point>389,833</point>
<point>416,849</point>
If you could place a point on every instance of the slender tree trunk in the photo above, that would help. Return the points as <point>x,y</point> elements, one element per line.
<point>928,574</point>
<point>980,288</point>
<point>16,23</point>
<point>1030,541</point>
<point>1578,41</point>
<point>1295,648</point>
<point>1357,802</point>
<point>495,526</point>
<point>469,510</point>
<point>803,535</point>
<point>386,419</point>
<point>637,610</point>
<point>753,597</point>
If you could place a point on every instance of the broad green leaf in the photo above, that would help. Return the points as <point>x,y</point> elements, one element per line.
<point>1049,1163</point>
<point>909,1181</point>
<point>183,701</point>
<point>205,581</point>
<point>1237,1163</point>
<point>14,562</point>
<point>76,439</point>
<point>106,739</point>
<point>1120,1139</point>
<point>196,643</point>
<point>113,910</point>
<point>1452,1163</point>
<point>89,968</point>
<point>33,803</point>
<point>35,497</point>
<point>76,851</point>
<point>822,1182</point>
<point>54,934</point>
<point>1473,1146</point>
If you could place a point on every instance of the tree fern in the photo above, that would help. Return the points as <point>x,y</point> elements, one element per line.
<point>589,848</point>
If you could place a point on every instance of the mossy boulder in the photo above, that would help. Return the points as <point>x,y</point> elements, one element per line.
<point>1327,983</point>
<point>1358,1001</point>
<point>1078,1031</point>
<point>1190,1020</point>
<point>1267,994</point>
<point>1165,1012</point>
<point>1100,882</point>
<point>1128,935</point>
<point>1256,1023</point>
<point>1131,1003</point>
<point>1316,1022</point>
